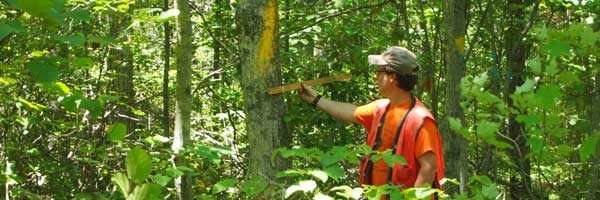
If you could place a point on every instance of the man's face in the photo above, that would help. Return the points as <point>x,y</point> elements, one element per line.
<point>384,79</point>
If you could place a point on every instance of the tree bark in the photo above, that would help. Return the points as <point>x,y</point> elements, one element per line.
<point>515,59</point>
<point>167,57</point>
<point>120,70</point>
<point>257,21</point>
<point>183,102</point>
<point>593,187</point>
<point>456,147</point>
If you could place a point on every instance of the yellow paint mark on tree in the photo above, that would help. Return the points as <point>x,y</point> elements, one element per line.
<point>460,44</point>
<point>265,48</point>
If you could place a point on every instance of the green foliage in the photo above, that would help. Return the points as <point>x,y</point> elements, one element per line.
<point>117,132</point>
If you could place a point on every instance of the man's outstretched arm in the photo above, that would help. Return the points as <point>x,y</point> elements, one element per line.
<point>339,110</point>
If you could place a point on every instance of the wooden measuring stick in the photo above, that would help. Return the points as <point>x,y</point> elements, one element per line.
<point>320,81</point>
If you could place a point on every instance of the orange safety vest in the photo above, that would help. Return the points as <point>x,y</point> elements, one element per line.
<point>404,175</point>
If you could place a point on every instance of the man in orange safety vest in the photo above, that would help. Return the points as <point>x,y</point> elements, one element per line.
<point>399,122</point>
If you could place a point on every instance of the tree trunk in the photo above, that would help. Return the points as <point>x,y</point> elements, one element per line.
<point>120,70</point>
<point>455,145</point>
<point>167,51</point>
<point>428,64</point>
<point>515,59</point>
<point>593,187</point>
<point>257,21</point>
<point>183,102</point>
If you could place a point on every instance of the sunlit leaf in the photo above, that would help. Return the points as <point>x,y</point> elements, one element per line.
<point>122,183</point>
<point>526,87</point>
<point>223,185</point>
<point>139,165</point>
<point>321,175</point>
<point>169,14</point>
<point>535,66</point>
<point>147,191</point>
<point>117,132</point>
<point>320,196</point>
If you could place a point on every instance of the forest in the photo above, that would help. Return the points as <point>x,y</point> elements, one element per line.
<point>167,99</point>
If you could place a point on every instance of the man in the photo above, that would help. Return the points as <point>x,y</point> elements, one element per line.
<point>400,122</point>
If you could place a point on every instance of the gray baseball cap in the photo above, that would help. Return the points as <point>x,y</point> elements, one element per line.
<point>398,59</point>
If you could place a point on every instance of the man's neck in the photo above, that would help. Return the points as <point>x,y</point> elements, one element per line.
<point>399,97</point>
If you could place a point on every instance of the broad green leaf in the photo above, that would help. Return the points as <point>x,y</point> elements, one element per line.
<point>161,179</point>
<point>94,106</point>
<point>75,40</point>
<point>487,129</point>
<point>172,172</point>
<point>254,186</point>
<point>547,94</point>
<point>139,165</point>
<point>564,150</point>
<point>568,78</point>
<point>333,156</point>
<point>5,30</point>
<point>526,87</point>
<point>223,185</point>
<point>57,88</point>
<point>169,14</point>
<point>551,68</point>
<point>79,14</point>
<point>117,132</point>
<point>588,147</point>
<point>147,191</point>
<point>536,144</point>
<point>456,126</point>
<point>321,175</point>
<point>84,62</point>
<point>122,183</point>
<point>530,120</point>
<point>45,9</point>
<point>43,72</point>
<point>557,48</point>
<point>490,191</point>
<point>535,66</point>
<point>391,159</point>
<point>336,172</point>
<point>587,36</point>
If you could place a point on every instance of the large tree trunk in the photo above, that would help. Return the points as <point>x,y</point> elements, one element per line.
<point>257,21</point>
<point>183,102</point>
<point>120,70</point>
<point>515,59</point>
<point>455,145</point>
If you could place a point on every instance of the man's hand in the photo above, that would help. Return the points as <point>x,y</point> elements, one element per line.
<point>307,93</point>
